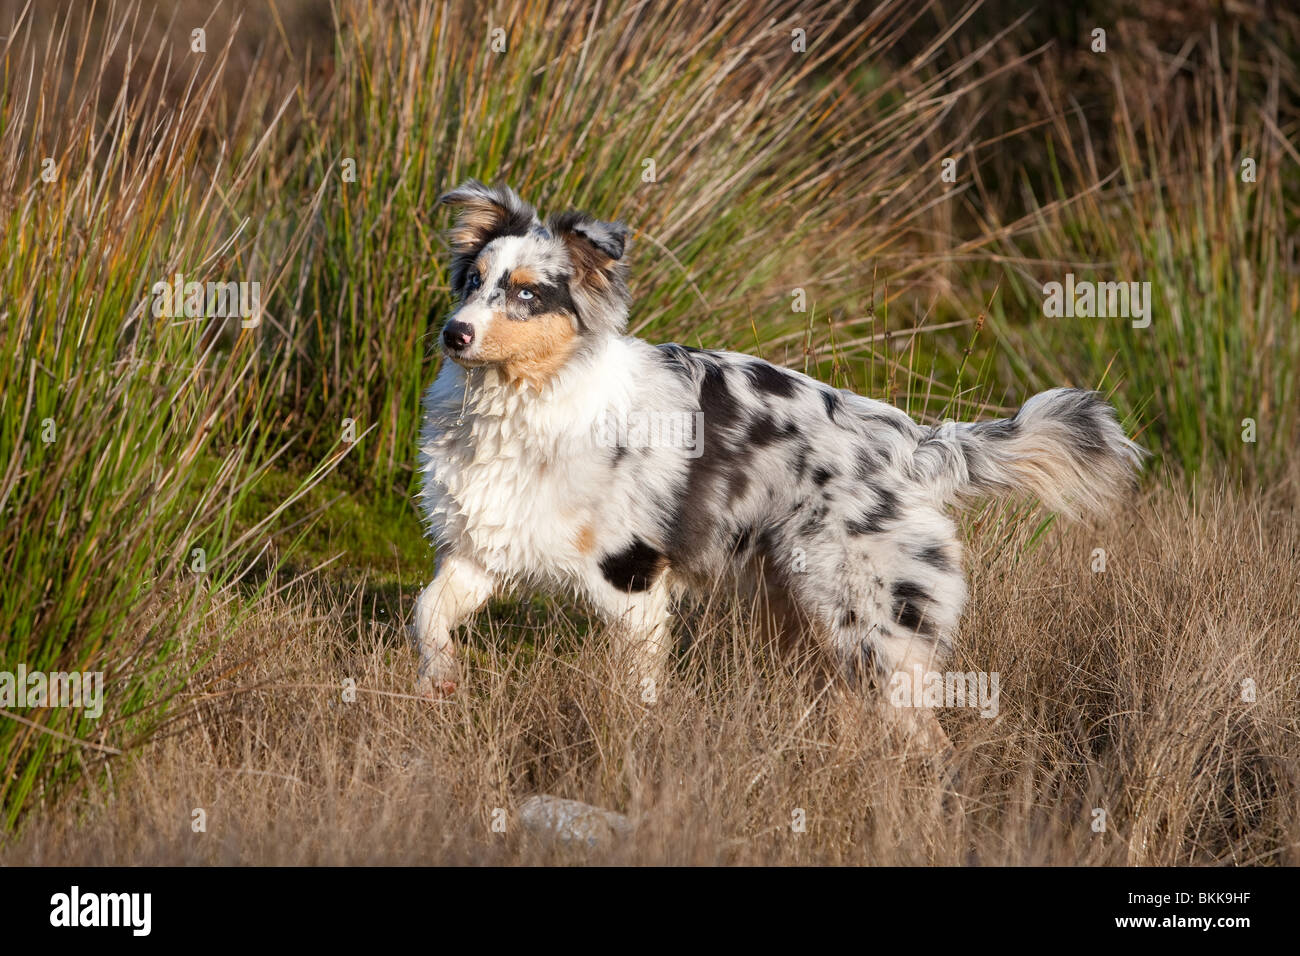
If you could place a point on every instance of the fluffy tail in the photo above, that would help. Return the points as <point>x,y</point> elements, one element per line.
<point>1064,447</point>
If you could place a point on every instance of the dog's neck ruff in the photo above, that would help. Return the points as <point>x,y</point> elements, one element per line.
<point>506,484</point>
<point>480,406</point>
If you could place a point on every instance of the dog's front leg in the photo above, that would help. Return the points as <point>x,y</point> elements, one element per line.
<point>642,638</point>
<point>459,588</point>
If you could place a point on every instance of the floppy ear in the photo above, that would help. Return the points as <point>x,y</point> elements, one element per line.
<point>599,284</point>
<point>485,213</point>
<point>577,229</point>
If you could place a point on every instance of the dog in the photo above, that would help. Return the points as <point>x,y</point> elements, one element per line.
<point>540,467</point>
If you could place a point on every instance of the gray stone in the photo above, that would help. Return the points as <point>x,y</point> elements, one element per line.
<point>572,822</point>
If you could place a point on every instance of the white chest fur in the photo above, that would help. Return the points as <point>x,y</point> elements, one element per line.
<point>520,482</point>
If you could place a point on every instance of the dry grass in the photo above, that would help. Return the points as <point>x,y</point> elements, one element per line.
<point>1120,691</point>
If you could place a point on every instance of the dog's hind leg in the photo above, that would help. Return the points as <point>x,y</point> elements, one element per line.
<point>909,657</point>
<point>870,659</point>
<point>884,616</point>
<point>459,588</point>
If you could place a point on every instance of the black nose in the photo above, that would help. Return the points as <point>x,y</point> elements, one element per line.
<point>457,335</point>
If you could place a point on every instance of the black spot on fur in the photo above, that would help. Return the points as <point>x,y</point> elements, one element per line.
<point>868,465</point>
<point>1000,428</point>
<point>873,520</point>
<point>742,540</point>
<point>766,542</point>
<point>822,475</point>
<point>936,556</point>
<point>1079,416</point>
<point>694,520</point>
<point>763,431</point>
<point>801,460</point>
<point>716,401</point>
<point>676,358</point>
<point>832,401</point>
<point>849,618</point>
<point>634,568</point>
<point>899,423</point>
<point>768,378</point>
<point>910,602</point>
<point>815,521</point>
<point>737,485</point>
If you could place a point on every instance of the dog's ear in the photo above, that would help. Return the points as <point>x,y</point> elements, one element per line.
<point>597,250</point>
<point>486,212</point>
<point>593,245</point>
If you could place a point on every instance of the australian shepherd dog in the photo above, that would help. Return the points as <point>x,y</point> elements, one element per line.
<point>559,452</point>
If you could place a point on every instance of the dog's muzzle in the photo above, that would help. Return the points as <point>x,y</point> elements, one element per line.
<point>457,336</point>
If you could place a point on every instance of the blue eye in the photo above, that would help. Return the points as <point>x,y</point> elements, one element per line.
<point>474,281</point>
<point>525,293</point>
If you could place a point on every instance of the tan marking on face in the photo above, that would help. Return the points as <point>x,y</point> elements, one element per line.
<point>524,276</point>
<point>586,540</point>
<point>531,350</point>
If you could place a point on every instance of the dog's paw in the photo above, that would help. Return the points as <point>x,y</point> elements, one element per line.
<point>435,688</point>
<point>438,680</point>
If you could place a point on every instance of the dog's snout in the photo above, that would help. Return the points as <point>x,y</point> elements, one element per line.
<point>458,335</point>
